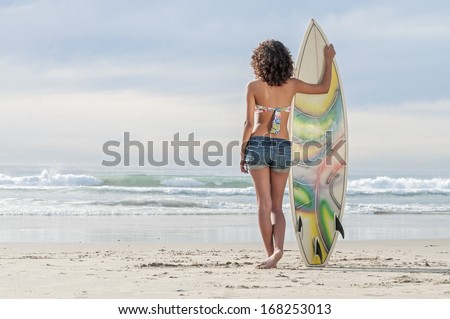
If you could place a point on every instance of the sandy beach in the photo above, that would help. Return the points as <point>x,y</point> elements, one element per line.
<point>358,269</point>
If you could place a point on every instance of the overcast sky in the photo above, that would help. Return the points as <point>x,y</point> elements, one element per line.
<point>75,74</point>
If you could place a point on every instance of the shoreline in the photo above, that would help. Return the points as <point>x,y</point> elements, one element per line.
<point>414,268</point>
<point>213,228</point>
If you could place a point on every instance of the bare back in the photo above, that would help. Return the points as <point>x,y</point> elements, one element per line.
<point>272,97</point>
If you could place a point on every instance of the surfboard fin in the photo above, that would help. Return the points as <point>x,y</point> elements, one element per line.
<point>317,249</point>
<point>339,227</point>
<point>300,224</point>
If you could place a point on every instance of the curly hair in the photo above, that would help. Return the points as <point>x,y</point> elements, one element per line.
<point>272,62</point>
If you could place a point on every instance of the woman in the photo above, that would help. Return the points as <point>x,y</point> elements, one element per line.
<point>266,149</point>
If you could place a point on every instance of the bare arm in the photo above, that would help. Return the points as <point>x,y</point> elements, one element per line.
<point>324,85</point>
<point>248,125</point>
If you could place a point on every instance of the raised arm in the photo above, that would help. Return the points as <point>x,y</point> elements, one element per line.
<point>248,125</point>
<point>324,85</point>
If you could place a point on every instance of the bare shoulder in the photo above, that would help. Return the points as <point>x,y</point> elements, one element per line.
<point>252,85</point>
<point>293,81</point>
<point>298,86</point>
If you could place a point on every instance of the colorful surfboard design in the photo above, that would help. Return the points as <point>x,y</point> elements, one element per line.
<point>318,178</point>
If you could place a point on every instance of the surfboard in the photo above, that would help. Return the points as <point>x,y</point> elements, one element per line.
<point>318,177</point>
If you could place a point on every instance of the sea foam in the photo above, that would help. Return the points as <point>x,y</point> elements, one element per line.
<point>399,186</point>
<point>47,178</point>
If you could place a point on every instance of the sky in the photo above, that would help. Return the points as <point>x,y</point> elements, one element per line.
<point>76,74</point>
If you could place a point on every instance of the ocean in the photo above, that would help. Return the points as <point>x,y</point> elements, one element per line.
<point>96,205</point>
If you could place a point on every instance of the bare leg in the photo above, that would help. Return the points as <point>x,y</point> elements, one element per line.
<point>261,181</point>
<point>277,187</point>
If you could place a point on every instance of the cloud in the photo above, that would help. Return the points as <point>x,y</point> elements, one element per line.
<point>73,127</point>
<point>109,75</point>
<point>408,135</point>
<point>389,52</point>
<point>392,22</point>
<point>76,73</point>
<point>111,45</point>
<point>386,50</point>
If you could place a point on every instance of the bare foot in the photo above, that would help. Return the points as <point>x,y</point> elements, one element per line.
<point>272,261</point>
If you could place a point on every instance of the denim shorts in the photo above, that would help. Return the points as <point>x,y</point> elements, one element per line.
<point>264,151</point>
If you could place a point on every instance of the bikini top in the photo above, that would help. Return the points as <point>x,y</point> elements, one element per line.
<point>276,117</point>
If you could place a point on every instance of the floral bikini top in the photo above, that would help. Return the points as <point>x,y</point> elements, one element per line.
<point>276,117</point>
